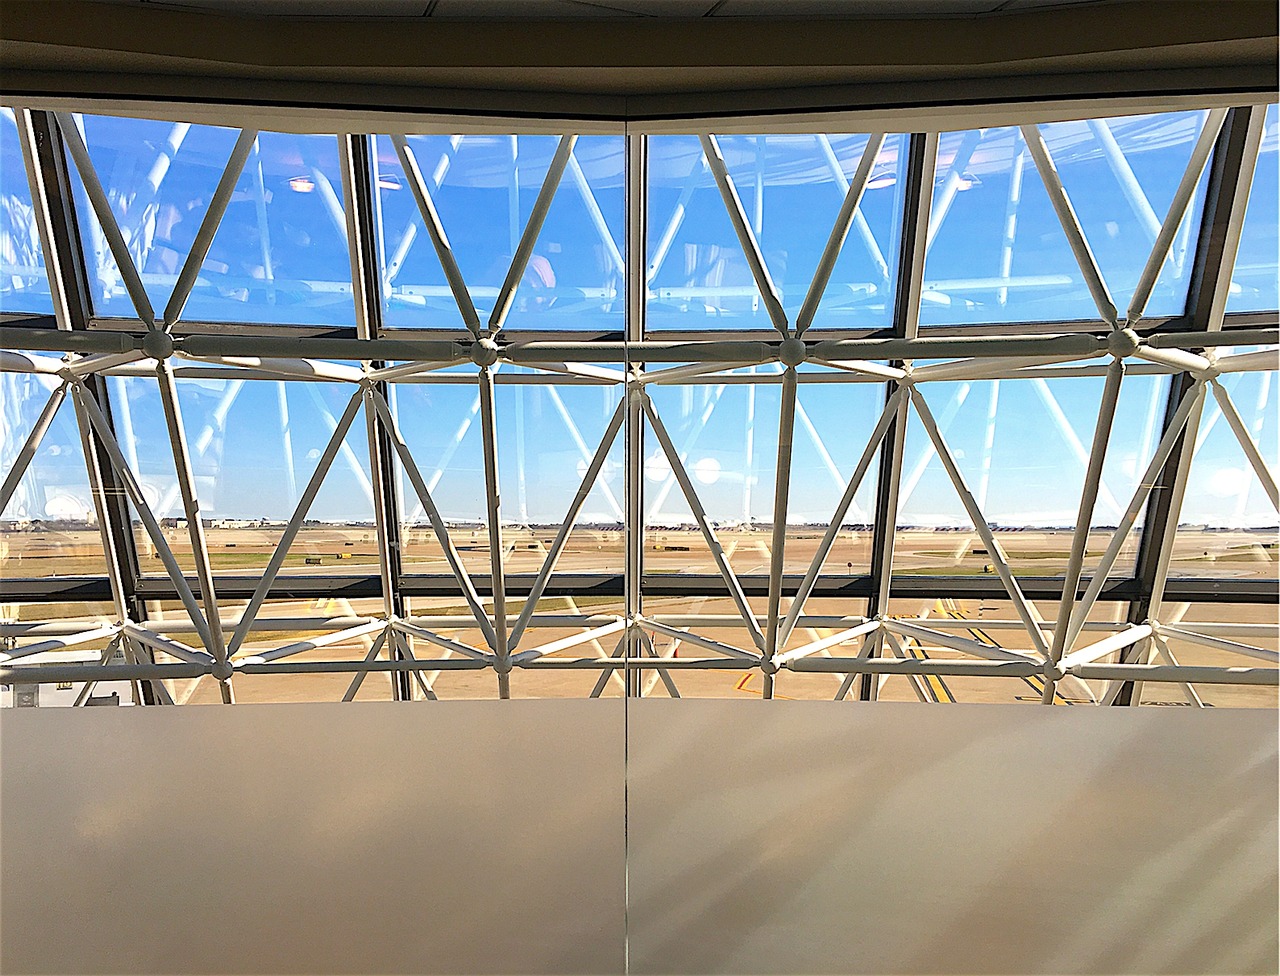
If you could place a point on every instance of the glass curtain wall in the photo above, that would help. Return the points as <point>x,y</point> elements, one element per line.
<point>982,415</point>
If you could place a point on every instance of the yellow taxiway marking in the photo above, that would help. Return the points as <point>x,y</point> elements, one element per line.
<point>1036,683</point>
<point>744,686</point>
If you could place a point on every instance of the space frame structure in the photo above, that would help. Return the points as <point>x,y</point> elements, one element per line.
<point>73,347</point>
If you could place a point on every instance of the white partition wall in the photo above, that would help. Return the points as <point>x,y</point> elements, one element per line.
<point>733,838</point>
<point>373,838</point>
<point>811,838</point>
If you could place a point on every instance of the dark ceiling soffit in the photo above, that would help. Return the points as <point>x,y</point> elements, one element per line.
<point>959,93</point>
<point>1239,83</point>
<point>1143,31</point>
<point>637,70</point>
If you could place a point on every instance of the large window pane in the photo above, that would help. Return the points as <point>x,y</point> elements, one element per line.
<point>727,436</point>
<point>791,188</point>
<point>1254,282</point>
<point>253,447</point>
<point>50,526</point>
<point>1022,447</point>
<point>547,437</point>
<point>833,424</point>
<point>159,178</point>
<point>24,285</point>
<point>997,256</point>
<point>996,249</point>
<point>484,188</point>
<point>441,425</point>
<point>726,439</point>
<point>280,252</point>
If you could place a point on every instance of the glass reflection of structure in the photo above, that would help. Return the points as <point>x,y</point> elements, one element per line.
<point>420,415</point>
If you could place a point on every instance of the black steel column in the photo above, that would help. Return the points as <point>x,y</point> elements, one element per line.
<point>69,283</point>
<point>1230,177</point>
<point>917,197</point>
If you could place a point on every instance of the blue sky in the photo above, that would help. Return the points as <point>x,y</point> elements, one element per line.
<point>280,256</point>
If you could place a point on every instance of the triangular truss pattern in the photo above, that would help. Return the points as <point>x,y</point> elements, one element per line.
<point>682,479</point>
<point>123,246</point>
<point>999,559</point>
<point>128,245</point>
<point>290,532</point>
<point>766,164</point>
<point>1163,236</point>
<point>1167,228</point>
<point>562,161</point>
<point>620,631</point>
<point>573,295</point>
<point>433,514</point>
<point>149,222</point>
<point>1108,216</point>
<point>589,480</point>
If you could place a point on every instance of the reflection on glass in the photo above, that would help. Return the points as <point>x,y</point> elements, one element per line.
<point>1022,448</point>
<point>1254,284</point>
<point>280,252</point>
<point>159,178</point>
<point>440,424</point>
<point>254,445</point>
<point>791,187</point>
<point>833,423</point>
<point>548,437</point>
<point>484,188</point>
<point>727,436</point>
<point>1228,526</point>
<point>50,526</point>
<point>996,251</point>
<point>24,285</point>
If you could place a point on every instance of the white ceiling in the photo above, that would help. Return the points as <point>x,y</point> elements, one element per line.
<point>610,9</point>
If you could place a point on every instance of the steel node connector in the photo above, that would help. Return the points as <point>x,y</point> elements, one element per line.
<point>484,352</point>
<point>792,351</point>
<point>1123,342</point>
<point>157,345</point>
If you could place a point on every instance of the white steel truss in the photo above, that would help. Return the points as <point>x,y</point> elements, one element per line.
<point>1062,653</point>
